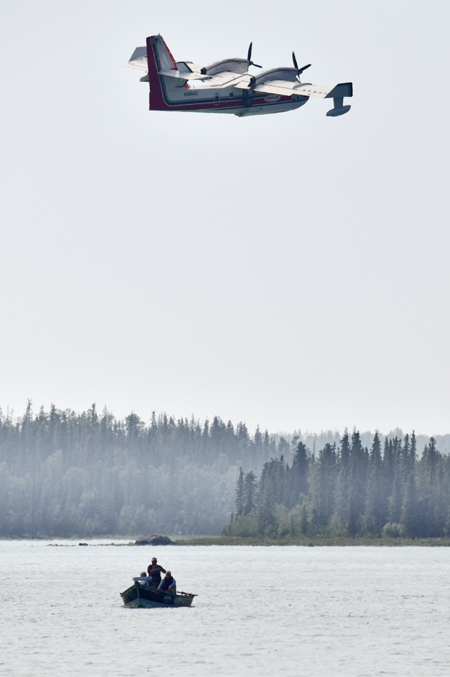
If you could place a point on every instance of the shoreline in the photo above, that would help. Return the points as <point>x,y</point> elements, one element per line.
<point>342,541</point>
<point>316,541</point>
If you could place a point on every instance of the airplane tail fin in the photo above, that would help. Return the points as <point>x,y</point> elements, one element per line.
<point>159,58</point>
<point>337,94</point>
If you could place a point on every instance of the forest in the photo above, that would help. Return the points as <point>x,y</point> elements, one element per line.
<point>347,490</point>
<point>66,474</point>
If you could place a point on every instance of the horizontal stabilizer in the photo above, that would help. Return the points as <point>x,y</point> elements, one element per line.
<point>139,53</point>
<point>138,59</point>
<point>183,75</point>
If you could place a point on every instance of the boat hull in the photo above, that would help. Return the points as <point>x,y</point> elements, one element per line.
<point>140,597</point>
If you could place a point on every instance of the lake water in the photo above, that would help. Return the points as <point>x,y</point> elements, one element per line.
<point>260,611</point>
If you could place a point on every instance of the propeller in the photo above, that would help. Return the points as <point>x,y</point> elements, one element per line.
<point>299,70</point>
<point>249,57</point>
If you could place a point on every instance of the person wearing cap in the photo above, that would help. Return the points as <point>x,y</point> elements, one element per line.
<point>168,584</point>
<point>154,573</point>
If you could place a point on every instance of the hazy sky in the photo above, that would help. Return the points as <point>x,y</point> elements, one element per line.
<point>290,270</point>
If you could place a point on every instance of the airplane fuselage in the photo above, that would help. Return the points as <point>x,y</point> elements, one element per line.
<point>175,94</point>
<point>227,86</point>
<point>225,100</point>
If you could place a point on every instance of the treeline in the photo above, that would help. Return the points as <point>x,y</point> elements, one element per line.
<point>90,474</point>
<point>347,490</point>
<point>64,474</point>
<point>316,441</point>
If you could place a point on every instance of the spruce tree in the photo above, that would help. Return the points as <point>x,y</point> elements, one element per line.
<point>409,508</point>
<point>440,506</point>
<point>413,449</point>
<point>297,476</point>
<point>341,513</point>
<point>266,506</point>
<point>429,488</point>
<point>359,458</point>
<point>304,524</point>
<point>249,492</point>
<point>323,486</point>
<point>396,499</point>
<point>376,508</point>
<point>388,466</point>
<point>240,494</point>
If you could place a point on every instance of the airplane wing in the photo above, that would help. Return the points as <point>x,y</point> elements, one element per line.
<point>228,78</point>
<point>286,88</point>
<point>289,88</point>
<point>223,79</point>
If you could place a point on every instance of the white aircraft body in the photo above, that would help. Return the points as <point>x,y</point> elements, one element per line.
<point>226,86</point>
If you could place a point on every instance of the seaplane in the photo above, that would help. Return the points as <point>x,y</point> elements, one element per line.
<point>227,86</point>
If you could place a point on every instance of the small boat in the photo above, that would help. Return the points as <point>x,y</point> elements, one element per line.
<point>139,596</point>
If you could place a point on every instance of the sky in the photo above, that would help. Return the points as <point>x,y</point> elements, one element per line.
<point>290,271</point>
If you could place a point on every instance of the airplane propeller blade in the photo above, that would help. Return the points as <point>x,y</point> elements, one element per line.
<point>249,57</point>
<point>299,70</point>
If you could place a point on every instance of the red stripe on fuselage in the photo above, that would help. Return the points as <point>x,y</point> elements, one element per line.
<point>170,54</point>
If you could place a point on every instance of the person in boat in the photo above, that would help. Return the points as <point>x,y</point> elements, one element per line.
<point>168,584</point>
<point>142,579</point>
<point>154,573</point>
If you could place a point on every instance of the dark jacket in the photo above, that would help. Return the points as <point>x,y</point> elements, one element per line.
<point>166,583</point>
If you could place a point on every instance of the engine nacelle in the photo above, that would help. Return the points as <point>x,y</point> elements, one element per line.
<point>289,74</point>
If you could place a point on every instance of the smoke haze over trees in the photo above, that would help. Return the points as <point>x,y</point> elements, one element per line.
<point>64,474</point>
